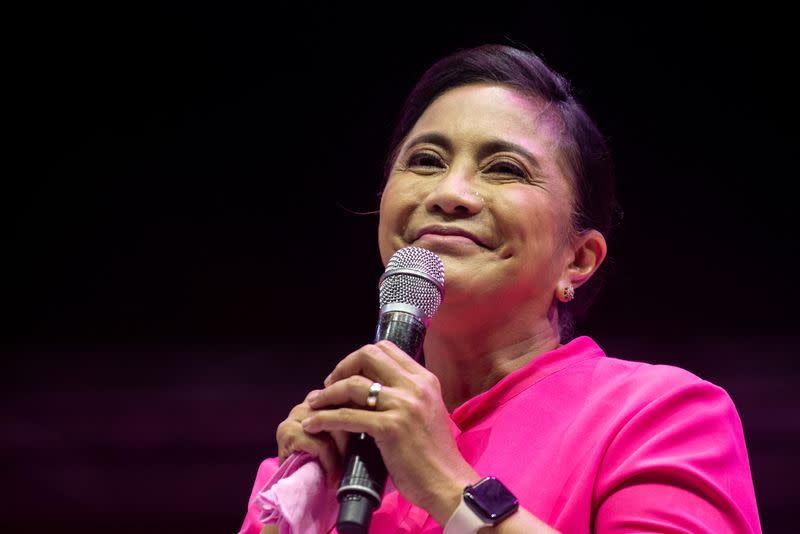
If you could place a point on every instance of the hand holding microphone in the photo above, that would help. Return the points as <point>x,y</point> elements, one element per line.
<point>402,421</point>
<point>411,290</point>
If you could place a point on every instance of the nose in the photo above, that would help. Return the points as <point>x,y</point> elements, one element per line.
<point>453,195</point>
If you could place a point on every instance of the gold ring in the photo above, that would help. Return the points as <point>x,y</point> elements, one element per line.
<point>372,396</point>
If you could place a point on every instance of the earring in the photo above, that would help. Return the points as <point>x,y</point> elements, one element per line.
<point>566,293</point>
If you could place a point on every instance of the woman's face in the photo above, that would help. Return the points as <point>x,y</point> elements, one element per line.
<point>478,182</point>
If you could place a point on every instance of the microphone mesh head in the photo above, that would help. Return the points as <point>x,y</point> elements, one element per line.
<point>413,276</point>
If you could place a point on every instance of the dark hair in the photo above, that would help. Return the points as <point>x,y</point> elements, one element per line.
<point>584,149</point>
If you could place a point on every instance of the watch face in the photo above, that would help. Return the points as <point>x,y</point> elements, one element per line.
<point>491,499</point>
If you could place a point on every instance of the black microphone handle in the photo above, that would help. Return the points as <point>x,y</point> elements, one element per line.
<point>364,478</point>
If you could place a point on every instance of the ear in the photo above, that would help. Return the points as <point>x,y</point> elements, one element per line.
<point>588,252</point>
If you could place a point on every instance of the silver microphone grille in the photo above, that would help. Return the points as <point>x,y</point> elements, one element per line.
<point>413,276</point>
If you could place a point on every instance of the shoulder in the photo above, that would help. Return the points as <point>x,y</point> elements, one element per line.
<point>644,382</point>
<point>252,523</point>
<point>676,437</point>
<point>662,410</point>
<point>637,399</point>
<point>655,378</point>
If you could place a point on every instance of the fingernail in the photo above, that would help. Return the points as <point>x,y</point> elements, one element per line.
<point>327,380</point>
<point>312,396</point>
<point>305,423</point>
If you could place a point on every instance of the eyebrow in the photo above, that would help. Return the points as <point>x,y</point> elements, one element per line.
<point>489,147</point>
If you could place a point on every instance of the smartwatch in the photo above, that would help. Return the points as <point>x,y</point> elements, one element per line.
<point>483,504</point>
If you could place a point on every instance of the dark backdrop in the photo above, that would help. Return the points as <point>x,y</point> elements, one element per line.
<point>185,252</point>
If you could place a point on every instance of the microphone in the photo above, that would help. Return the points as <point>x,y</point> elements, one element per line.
<point>411,289</point>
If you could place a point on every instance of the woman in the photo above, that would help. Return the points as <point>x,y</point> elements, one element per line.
<point>496,168</point>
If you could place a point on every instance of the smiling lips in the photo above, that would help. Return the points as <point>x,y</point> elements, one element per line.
<point>447,232</point>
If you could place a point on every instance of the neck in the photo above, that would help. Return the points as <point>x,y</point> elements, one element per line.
<point>470,353</point>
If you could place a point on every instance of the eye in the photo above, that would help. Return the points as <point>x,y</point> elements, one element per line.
<point>425,160</point>
<point>507,168</point>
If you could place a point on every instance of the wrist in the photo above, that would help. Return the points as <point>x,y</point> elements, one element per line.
<point>446,498</point>
<point>483,504</point>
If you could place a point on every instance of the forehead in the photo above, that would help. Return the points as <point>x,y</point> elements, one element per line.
<point>491,110</point>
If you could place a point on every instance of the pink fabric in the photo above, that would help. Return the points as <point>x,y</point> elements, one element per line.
<point>590,443</point>
<point>296,497</point>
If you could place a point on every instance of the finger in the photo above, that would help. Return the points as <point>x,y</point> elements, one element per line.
<point>402,358</point>
<point>371,361</point>
<point>351,391</point>
<point>328,455</point>
<point>321,446</point>
<point>341,439</point>
<point>290,426</point>
<point>289,434</point>
<point>325,451</point>
<point>347,419</point>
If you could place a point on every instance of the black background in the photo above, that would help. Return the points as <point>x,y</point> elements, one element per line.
<point>187,248</point>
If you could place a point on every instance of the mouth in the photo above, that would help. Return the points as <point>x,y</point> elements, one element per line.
<point>448,233</point>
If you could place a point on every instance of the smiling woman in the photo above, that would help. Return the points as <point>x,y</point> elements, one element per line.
<point>479,182</point>
<point>513,422</point>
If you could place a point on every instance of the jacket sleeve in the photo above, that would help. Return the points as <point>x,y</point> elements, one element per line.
<point>679,464</point>
<point>251,524</point>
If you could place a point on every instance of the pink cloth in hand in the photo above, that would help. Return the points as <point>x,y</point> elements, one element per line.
<point>297,498</point>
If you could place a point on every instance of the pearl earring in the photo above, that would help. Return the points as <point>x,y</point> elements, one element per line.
<point>566,293</point>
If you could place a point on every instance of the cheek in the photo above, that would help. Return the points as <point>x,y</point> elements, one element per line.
<point>537,222</point>
<point>384,236</point>
<point>389,221</point>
